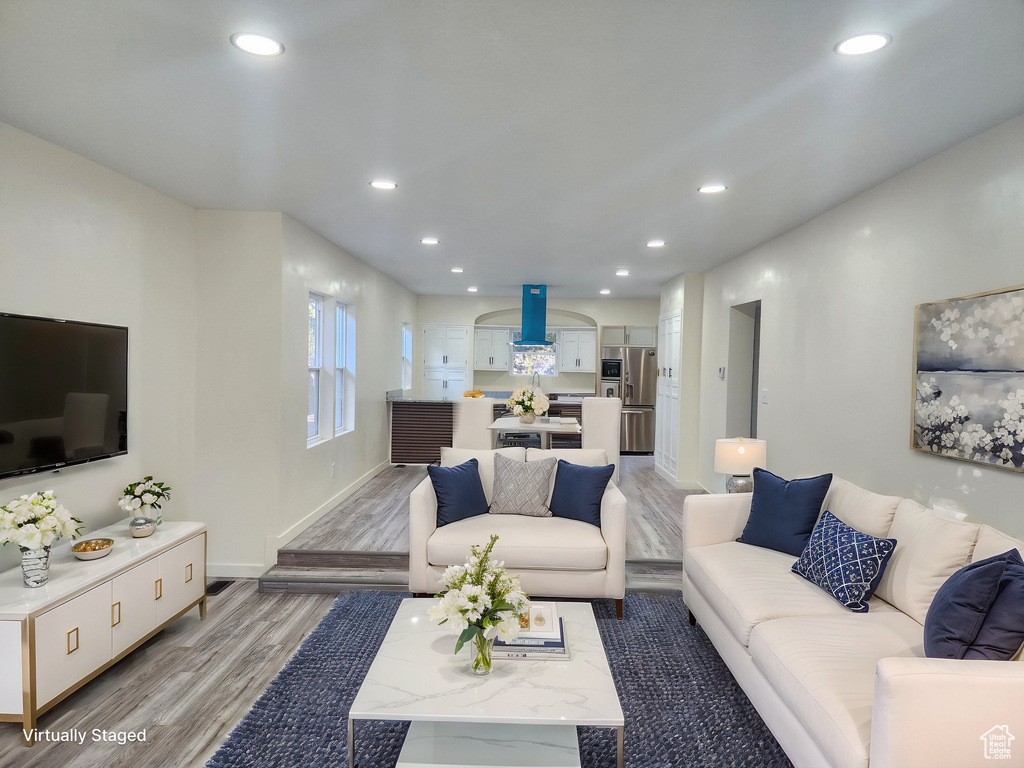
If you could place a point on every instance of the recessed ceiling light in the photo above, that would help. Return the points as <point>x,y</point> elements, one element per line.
<point>861,44</point>
<point>605,291</point>
<point>472,289</point>
<point>430,241</point>
<point>622,271</point>
<point>712,189</point>
<point>655,243</point>
<point>257,45</point>
<point>383,184</point>
<point>457,269</point>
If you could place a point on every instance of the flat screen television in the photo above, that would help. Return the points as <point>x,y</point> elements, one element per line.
<point>63,393</point>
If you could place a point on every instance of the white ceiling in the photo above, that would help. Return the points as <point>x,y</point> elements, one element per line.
<point>540,140</point>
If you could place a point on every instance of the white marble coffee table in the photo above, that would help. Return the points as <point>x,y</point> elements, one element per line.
<point>416,677</point>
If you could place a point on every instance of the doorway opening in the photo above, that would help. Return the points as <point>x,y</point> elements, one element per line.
<point>743,369</point>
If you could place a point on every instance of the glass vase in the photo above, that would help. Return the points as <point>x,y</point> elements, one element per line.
<point>528,418</point>
<point>35,566</point>
<point>482,661</point>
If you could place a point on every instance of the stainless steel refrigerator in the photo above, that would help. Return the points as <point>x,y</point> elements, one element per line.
<point>631,373</point>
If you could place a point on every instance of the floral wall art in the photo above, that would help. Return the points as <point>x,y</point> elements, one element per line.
<point>969,387</point>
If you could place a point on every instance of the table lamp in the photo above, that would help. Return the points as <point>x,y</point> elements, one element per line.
<point>737,456</point>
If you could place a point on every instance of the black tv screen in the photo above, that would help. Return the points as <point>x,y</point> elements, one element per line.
<point>63,393</point>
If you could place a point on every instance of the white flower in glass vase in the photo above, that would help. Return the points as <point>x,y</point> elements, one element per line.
<point>481,601</point>
<point>34,521</point>
<point>144,496</point>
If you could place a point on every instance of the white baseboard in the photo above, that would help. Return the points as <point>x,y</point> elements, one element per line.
<point>683,485</point>
<point>274,543</point>
<point>234,571</point>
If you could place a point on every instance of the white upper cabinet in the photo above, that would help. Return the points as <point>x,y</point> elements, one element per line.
<point>629,335</point>
<point>446,345</point>
<point>490,351</point>
<point>577,351</point>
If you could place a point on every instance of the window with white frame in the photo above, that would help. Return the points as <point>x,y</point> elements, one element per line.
<point>316,335</point>
<point>535,360</point>
<point>406,355</point>
<point>345,365</point>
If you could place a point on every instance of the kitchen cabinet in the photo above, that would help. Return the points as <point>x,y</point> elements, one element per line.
<point>666,439</point>
<point>629,336</point>
<point>490,349</point>
<point>444,383</point>
<point>445,361</point>
<point>446,345</point>
<point>577,351</point>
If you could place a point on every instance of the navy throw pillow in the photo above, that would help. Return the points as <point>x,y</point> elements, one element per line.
<point>783,512</point>
<point>460,494</point>
<point>978,613</point>
<point>845,562</point>
<point>578,491</point>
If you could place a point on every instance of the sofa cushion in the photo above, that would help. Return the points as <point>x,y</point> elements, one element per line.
<point>578,491</point>
<point>844,562</point>
<point>929,549</point>
<point>585,457</point>
<point>451,457</point>
<point>823,667</point>
<point>458,491</point>
<point>868,512</point>
<point>547,543</point>
<point>979,612</point>
<point>783,512</point>
<point>521,488</point>
<point>992,542</point>
<point>748,585</point>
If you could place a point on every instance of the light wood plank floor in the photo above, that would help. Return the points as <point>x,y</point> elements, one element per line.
<point>187,687</point>
<point>375,518</point>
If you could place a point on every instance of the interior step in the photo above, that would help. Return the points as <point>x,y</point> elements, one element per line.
<point>309,580</point>
<point>327,558</point>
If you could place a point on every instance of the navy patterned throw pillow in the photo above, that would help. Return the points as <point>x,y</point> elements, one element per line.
<point>844,562</point>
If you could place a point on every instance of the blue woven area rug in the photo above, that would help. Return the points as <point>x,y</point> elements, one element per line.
<point>682,706</point>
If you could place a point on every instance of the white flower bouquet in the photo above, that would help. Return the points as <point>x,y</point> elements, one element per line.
<point>142,497</point>
<point>524,401</point>
<point>36,521</point>
<point>482,602</point>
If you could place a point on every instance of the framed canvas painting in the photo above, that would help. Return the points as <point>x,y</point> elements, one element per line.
<point>969,382</point>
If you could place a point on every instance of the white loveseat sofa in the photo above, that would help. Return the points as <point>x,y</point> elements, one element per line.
<point>850,689</point>
<point>552,556</point>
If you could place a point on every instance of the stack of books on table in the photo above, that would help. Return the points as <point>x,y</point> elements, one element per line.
<point>542,636</point>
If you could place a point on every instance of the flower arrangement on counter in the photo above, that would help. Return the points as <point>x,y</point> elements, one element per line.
<point>483,602</point>
<point>36,521</point>
<point>145,495</point>
<point>525,401</point>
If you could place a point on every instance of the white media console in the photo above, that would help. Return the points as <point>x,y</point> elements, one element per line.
<point>92,613</point>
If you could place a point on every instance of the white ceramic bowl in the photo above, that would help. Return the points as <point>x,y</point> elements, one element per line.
<point>92,549</point>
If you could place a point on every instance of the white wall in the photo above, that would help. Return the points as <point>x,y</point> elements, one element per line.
<point>464,310</point>
<point>215,303</point>
<point>238,386</point>
<point>81,242</point>
<point>838,297</point>
<point>381,305</point>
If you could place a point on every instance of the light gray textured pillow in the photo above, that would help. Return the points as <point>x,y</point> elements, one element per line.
<point>521,488</point>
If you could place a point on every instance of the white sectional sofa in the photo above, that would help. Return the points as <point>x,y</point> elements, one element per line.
<point>847,689</point>
<point>552,556</point>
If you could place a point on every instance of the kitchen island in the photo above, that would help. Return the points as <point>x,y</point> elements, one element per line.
<point>420,428</point>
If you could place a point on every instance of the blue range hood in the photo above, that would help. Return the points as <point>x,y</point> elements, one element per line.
<point>535,312</point>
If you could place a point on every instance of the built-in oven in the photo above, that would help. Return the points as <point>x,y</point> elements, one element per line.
<point>611,369</point>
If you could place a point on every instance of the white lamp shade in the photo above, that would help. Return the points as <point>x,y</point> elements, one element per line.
<point>739,455</point>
